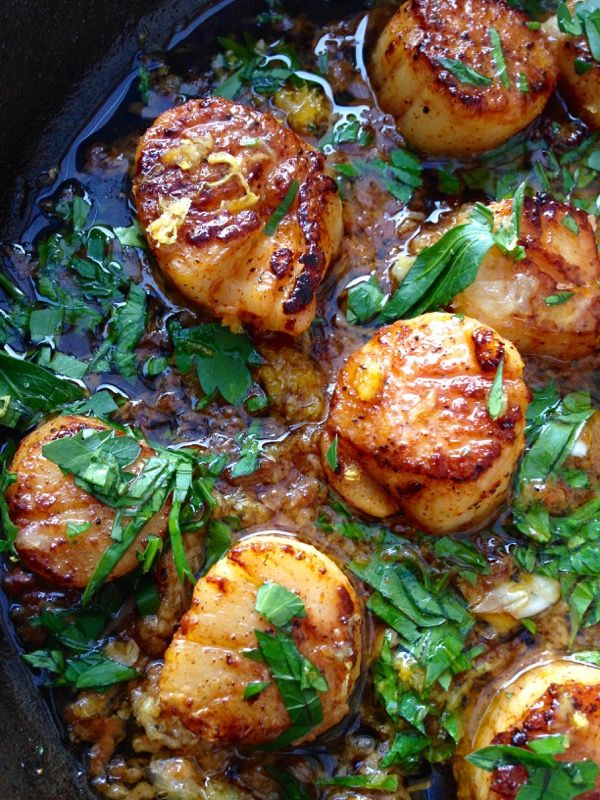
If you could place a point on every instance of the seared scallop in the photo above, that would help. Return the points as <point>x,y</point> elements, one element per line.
<point>415,428</point>
<point>207,668</point>
<point>461,76</point>
<point>547,303</point>
<point>51,512</point>
<point>579,72</point>
<point>239,212</point>
<point>558,697</point>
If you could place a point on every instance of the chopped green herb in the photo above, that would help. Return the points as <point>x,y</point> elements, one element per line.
<point>463,73</point>
<point>498,57</point>
<point>332,454</point>
<point>147,599</point>
<point>522,83</point>
<point>546,777</point>
<point>221,358</point>
<point>570,223</point>
<point>377,781</point>
<point>365,300</point>
<point>558,299</point>
<point>282,209</point>
<point>27,391</point>
<point>75,528</point>
<point>150,554</point>
<point>254,688</point>
<point>218,542</point>
<point>133,236</point>
<point>278,605</point>
<point>144,84</point>
<point>496,398</point>
<point>442,270</point>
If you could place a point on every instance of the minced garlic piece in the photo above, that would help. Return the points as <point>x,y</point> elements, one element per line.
<point>164,229</point>
<point>239,203</point>
<point>190,153</point>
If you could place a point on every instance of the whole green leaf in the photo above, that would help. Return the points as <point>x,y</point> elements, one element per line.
<point>441,271</point>
<point>31,391</point>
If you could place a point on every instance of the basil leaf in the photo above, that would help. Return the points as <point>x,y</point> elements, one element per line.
<point>286,665</point>
<point>133,236</point>
<point>218,542</point>
<point>376,782</point>
<point>463,73</point>
<point>147,599</point>
<point>27,391</point>
<point>365,300</point>
<point>404,749</point>
<point>282,209</point>
<point>441,271</point>
<point>332,454</point>
<point>96,671</point>
<point>220,357</point>
<point>498,56</point>
<point>278,605</point>
<point>254,688</point>
<point>496,398</point>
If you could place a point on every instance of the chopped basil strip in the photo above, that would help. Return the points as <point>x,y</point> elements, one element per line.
<point>278,605</point>
<point>499,59</point>
<point>546,777</point>
<point>255,688</point>
<point>463,73</point>
<point>497,399</point>
<point>332,454</point>
<point>282,209</point>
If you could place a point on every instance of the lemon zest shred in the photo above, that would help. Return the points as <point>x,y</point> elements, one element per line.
<point>190,153</point>
<point>237,204</point>
<point>165,228</point>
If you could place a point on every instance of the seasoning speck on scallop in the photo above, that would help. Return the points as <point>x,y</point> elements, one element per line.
<point>62,529</point>
<point>560,698</point>
<point>429,419</point>
<point>211,679</point>
<point>461,76</point>
<point>239,212</point>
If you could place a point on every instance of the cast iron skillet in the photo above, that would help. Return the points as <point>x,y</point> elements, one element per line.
<point>60,59</point>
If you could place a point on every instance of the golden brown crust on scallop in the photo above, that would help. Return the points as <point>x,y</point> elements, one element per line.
<point>205,672</point>
<point>434,110</point>
<point>581,89</point>
<point>229,167</point>
<point>411,408</point>
<point>42,501</point>
<point>510,295</point>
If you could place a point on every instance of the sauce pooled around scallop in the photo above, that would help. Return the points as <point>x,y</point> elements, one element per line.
<point>207,667</point>
<point>239,212</point>
<point>414,429</point>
